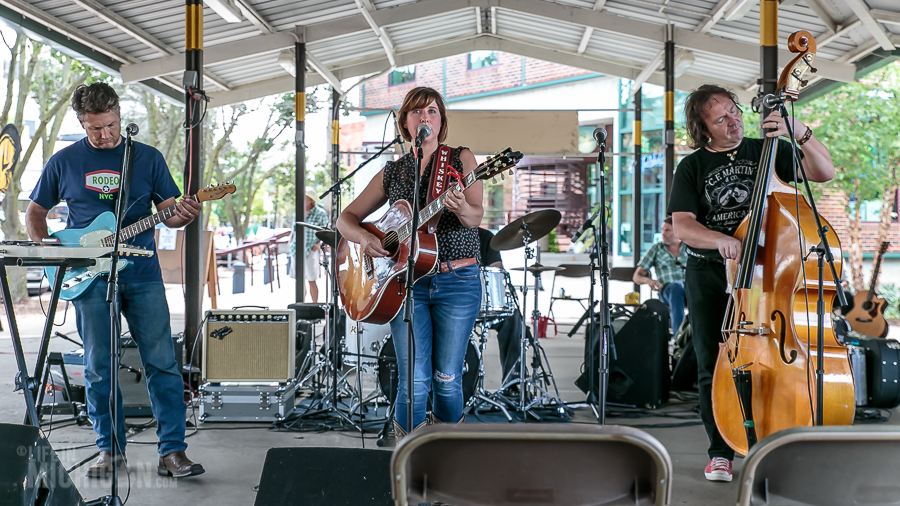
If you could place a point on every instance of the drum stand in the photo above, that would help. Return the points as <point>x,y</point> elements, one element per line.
<point>541,378</point>
<point>482,396</point>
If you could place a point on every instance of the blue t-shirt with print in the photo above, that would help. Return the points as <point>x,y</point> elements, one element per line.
<point>87,179</point>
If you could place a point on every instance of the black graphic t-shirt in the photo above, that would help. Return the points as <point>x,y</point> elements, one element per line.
<point>455,241</point>
<point>718,187</point>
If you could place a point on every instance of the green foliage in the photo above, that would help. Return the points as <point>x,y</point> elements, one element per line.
<point>891,294</point>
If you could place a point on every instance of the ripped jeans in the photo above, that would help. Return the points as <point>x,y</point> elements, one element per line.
<point>446,306</point>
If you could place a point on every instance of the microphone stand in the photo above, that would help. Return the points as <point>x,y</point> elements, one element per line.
<point>409,300</point>
<point>600,255</point>
<point>335,295</point>
<point>823,253</point>
<point>112,298</point>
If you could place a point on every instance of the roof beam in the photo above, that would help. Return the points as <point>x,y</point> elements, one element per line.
<point>651,31</point>
<point>254,17</point>
<point>862,12</point>
<point>842,30</point>
<point>647,72</point>
<point>136,32</point>
<point>888,17</point>
<point>717,13</point>
<point>487,42</point>
<point>585,38</point>
<point>366,8</point>
<point>478,27</point>
<point>822,14</point>
<point>221,53</point>
<point>595,20</point>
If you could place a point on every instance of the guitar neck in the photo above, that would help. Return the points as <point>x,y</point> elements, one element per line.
<point>875,272</point>
<point>142,225</point>
<point>435,207</point>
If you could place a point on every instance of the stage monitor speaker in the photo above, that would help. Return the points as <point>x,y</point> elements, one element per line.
<point>249,345</point>
<point>30,471</point>
<point>133,381</point>
<point>325,477</point>
<point>639,373</point>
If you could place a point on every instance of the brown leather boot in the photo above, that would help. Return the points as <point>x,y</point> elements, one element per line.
<point>178,465</point>
<point>102,467</point>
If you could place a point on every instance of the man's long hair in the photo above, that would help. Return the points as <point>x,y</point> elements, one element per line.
<point>694,109</point>
<point>94,98</point>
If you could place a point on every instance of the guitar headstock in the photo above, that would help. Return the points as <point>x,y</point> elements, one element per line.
<point>791,79</point>
<point>215,192</point>
<point>498,164</point>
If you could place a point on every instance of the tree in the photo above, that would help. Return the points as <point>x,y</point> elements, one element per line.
<point>51,77</point>
<point>858,122</point>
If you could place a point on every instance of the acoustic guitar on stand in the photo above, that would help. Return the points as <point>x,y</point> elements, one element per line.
<point>370,287</point>
<point>867,315</point>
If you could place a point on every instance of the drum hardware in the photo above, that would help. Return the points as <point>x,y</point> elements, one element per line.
<point>522,232</point>
<point>482,396</point>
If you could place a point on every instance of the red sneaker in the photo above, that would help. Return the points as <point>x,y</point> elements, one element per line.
<point>719,469</point>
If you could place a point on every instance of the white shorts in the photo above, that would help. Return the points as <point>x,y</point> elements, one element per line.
<point>311,266</point>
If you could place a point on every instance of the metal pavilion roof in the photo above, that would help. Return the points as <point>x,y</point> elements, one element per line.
<point>143,40</point>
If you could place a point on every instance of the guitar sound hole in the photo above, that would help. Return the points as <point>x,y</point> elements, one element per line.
<point>391,243</point>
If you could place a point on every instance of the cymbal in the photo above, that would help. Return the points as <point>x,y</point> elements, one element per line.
<point>538,268</point>
<point>326,236</point>
<point>532,227</point>
<point>310,225</point>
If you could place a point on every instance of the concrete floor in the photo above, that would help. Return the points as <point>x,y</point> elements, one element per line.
<point>233,454</point>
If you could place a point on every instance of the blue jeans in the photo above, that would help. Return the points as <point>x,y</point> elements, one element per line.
<point>147,313</point>
<point>446,306</point>
<point>672,295</point>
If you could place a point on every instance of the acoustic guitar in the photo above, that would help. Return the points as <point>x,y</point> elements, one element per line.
<point>370,287</point>
<point>867,315</point>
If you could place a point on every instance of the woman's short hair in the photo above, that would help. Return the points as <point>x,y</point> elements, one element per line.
<point>94,98</point>
<point>418,98</point>
<point>694,109</point>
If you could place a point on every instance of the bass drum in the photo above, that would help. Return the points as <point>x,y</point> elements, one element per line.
<point>388,378</point>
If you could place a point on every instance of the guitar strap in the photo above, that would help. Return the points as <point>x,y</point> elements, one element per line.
<point>440,181</point>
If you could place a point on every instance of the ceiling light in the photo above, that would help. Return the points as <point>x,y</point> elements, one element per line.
<point>741,8</point>
<point>286,60</point>
<point>226,9</point>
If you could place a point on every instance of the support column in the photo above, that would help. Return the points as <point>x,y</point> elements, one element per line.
<point>768,49</point>
<point>670,109</point>
<point>194,280</point>
<point>637,192</point>
<point>300,166</point>
<point>335,153</point>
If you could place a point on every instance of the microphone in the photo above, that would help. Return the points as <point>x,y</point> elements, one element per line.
<point>600,135</point>
<point>131,129</point>
<point>770,101</point>
<point>422,132</point>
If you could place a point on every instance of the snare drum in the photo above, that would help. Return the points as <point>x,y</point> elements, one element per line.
<point>495,302</point>
<point>370,338</point>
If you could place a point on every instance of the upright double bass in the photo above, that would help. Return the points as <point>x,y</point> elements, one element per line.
<point>764,379</point>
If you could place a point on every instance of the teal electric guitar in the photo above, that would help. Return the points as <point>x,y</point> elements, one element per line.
<point>99,234</point>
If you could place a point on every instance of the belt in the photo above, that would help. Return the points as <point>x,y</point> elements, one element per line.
<point>446,267</point>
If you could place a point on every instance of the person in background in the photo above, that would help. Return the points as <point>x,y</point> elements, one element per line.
<point>668,257</point>
<point>315,215</point>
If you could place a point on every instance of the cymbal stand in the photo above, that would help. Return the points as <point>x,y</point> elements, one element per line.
<point>541,376</point>
<point>482,396</point>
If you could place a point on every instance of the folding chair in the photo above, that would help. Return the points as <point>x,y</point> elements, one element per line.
<point>825,466</point>
<point>569,271</point>
<point>511,465</point>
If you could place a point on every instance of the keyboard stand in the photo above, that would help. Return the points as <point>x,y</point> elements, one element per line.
<point>31,384</point>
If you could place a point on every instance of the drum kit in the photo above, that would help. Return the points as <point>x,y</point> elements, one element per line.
<point>369,347</point>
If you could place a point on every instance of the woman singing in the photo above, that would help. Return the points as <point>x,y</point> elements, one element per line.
<point>446,303</point>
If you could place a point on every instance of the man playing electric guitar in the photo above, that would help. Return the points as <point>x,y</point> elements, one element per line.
<point>86,176</point>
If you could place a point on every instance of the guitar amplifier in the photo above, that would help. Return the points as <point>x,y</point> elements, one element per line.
<point>249,345</point>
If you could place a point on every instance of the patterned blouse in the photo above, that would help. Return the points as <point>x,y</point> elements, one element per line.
<point>455,241</point>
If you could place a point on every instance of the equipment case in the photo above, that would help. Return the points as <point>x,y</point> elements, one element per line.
<point>236,402</point>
